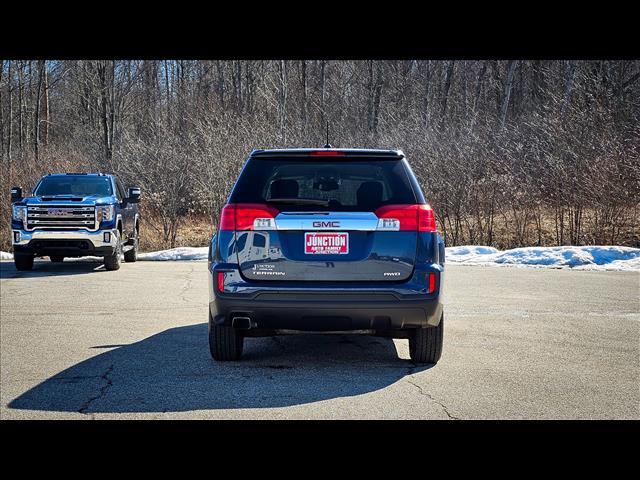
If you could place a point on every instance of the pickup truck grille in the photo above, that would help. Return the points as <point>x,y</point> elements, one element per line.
<point>53,217</point>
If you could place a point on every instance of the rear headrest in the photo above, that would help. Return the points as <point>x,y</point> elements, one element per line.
<point>284,189</point>
<point>369,195</point>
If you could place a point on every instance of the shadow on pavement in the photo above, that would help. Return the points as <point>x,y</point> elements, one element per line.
<point>46,268</point>
<point>173,372</point>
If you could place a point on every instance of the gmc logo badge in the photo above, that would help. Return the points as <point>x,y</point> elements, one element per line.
<point>56,211</point>
<point>321,224</point>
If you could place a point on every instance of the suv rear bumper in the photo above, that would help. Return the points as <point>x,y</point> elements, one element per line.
<point>68,243</point>
<point>327,309</point>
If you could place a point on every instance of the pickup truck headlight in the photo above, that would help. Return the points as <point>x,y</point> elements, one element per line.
<point>105,213</point>
<point>19,213</point>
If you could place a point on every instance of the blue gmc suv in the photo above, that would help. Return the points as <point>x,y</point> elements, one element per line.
<point>76,215</point>
<point>329,240</point>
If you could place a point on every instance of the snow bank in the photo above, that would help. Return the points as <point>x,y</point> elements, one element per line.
<point>181,253</point>
<point>581,258</point>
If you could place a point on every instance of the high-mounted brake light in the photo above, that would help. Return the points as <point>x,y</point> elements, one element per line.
<point>248,216</point>
<point>327,153</point>
<point>414,218</point>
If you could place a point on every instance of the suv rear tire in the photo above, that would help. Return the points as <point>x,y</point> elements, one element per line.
<point>23,261</point>
<point>425,344</point>
<point>225,343</point>
<point>112,262</point>
<point>131,255</point>
<point>56,258</point>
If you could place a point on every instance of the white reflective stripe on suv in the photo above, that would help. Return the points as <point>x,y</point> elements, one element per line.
<point>353,221</point>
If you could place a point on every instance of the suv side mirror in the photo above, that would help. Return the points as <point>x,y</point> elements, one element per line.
<point>16,194</point>
<point>134,195</point>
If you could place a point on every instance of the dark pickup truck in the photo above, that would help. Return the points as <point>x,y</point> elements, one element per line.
<point>75,215</point>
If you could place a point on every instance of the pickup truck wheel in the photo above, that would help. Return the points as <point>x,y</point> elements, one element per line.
<point>56,258</point>
<point>425,344</point>
<point>131,255</point>
<point>23,261</point>
<point>112,262</point>
<point>225,343</point>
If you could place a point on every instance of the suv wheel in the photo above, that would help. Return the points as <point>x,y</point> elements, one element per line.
<point>425,344</point>
<point>131,255</point>
<point>112,262</point>
<point>23,261</point>
<point>225,343</point>
<point>56,258</point>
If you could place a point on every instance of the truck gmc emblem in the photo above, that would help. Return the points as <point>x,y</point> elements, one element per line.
<point>56,211</point>
<point>320,224</point>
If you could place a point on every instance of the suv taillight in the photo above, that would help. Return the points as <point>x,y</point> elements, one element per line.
<point>248,216</point>
<point>420,218</point>
<point>228,217</point>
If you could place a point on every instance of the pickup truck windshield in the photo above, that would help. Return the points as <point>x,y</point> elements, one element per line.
<point>74,185</point>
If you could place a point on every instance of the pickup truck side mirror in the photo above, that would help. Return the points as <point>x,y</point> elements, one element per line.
<point>133,195</point>
<point>16,194</point>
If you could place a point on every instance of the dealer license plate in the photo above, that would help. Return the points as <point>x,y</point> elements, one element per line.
<point>326,243</point>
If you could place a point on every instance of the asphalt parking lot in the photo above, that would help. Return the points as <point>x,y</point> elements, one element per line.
<point>78,342</point>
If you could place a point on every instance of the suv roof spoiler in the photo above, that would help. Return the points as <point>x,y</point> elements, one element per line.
<point>328,152</point>
<point>100,174</point>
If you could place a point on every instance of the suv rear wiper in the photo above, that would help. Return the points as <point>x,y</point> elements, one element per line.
<point>300,201</point>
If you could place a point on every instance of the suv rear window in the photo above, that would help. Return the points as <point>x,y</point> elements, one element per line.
<point>360,185</point>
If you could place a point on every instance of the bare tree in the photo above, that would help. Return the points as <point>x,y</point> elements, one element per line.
<point>509,153</point>
<point>508,85</point>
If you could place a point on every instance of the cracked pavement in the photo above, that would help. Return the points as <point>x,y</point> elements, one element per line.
<point>79,342</point>
<point>108,383</point>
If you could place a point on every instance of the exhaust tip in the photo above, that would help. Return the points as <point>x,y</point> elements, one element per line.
<point>242,323</point>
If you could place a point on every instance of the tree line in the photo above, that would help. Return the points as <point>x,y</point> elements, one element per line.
<point>510,153</point>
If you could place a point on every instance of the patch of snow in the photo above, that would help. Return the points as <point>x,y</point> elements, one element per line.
<point>608,258</point>
<point>611,258</point>
<point>468,252</point>
<point>180,253</point>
